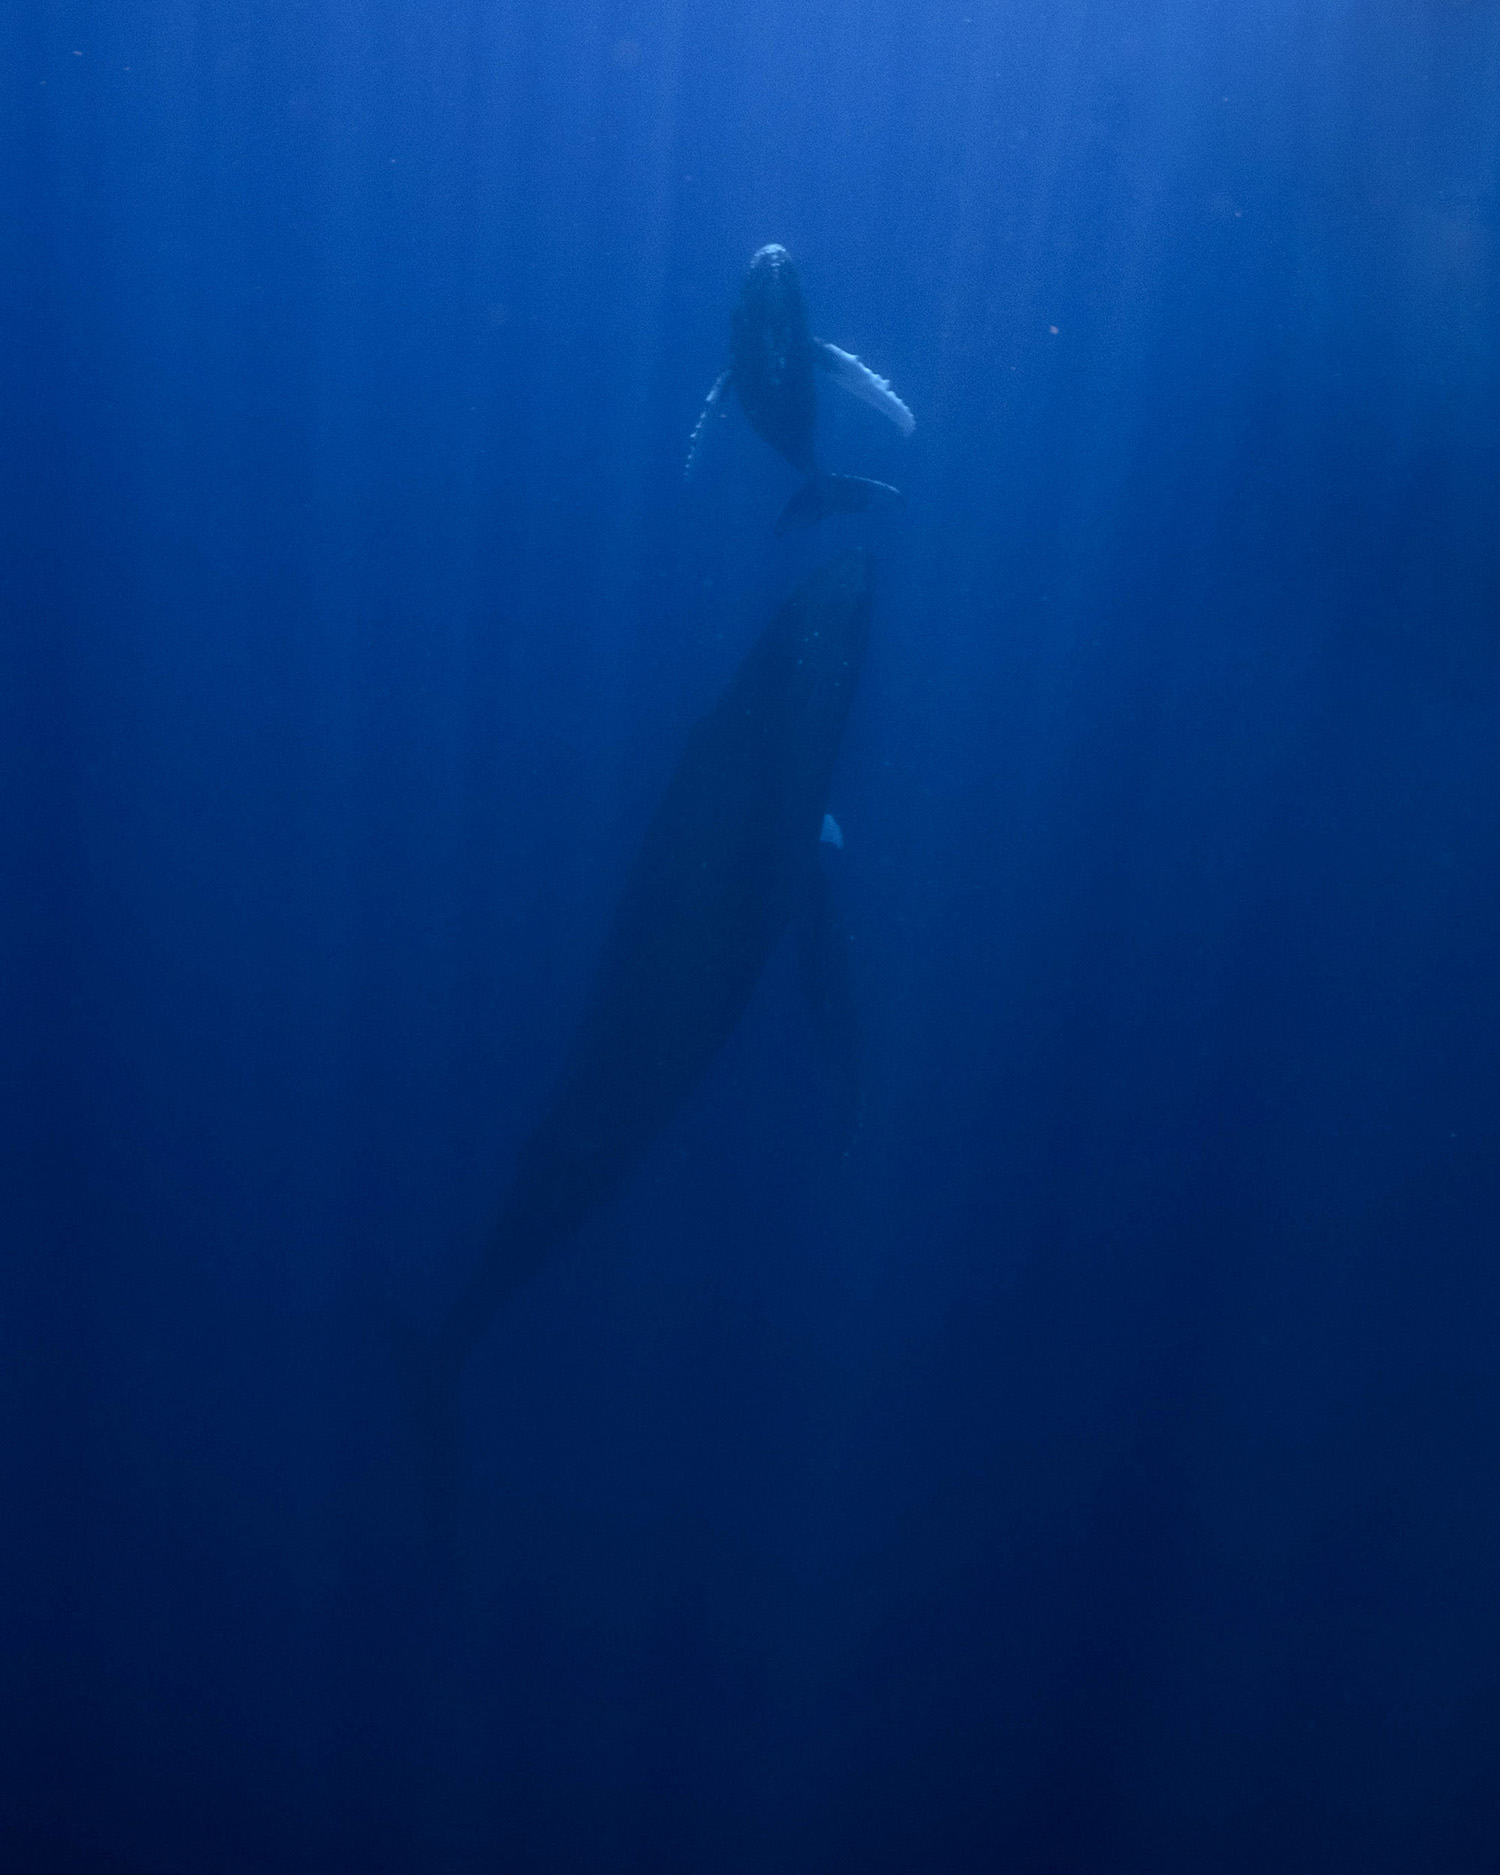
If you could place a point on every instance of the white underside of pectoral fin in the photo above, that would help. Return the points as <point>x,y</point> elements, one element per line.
<point>860,381</point>
<point>711,404</point>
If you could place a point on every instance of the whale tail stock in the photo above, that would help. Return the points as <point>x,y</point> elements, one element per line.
<point>427,1375</point>
<point>550,1197</point>
<point>835,494</point>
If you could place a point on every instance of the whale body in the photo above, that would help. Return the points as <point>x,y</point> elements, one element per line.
<point>729,856</point>
<point>774,362</point>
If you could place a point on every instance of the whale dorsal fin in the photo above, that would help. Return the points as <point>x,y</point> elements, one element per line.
<point>860,381</point>
<point>711,404</point>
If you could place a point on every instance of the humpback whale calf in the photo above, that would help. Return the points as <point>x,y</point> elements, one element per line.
<point>773,366</point>
<point>729,860</point>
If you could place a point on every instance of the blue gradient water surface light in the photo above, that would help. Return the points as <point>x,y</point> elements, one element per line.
<point>1094,1472</point>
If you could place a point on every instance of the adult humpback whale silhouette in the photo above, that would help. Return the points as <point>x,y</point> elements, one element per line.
<point>773,361</point>
<point>730,855</point>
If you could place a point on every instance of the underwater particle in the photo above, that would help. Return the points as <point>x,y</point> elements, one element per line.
<point>832,834</point>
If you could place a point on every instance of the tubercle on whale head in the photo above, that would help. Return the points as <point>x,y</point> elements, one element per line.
<point>773,275</point>
<point>771,315</point>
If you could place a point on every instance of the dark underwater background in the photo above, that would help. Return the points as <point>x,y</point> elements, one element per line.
<point>1096,1469</point>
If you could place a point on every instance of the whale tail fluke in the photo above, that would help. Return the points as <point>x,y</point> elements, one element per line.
<point>835,494</point>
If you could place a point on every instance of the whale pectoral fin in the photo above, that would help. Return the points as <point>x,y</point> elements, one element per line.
<point>860,381</point>
<point>835,494</point>
<point>710,407</point>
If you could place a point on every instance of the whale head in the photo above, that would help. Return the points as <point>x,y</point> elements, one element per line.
<point>772,280</point>
<point>771,356</point>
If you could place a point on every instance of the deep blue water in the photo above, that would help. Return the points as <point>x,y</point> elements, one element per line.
<point>1097,1470</point>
